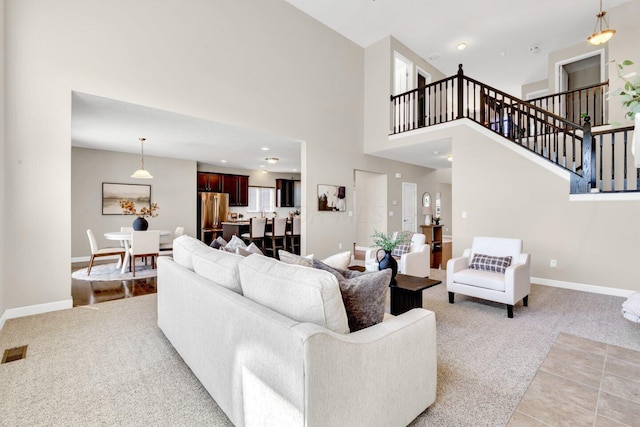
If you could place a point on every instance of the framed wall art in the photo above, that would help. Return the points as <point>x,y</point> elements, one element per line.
<point>112,193</point>
<point>332,198</point>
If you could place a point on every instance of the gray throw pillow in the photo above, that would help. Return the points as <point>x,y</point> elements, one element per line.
<point>363,294</point>
<point>289,258</point>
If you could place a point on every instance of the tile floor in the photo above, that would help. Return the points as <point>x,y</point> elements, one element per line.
<point>583,383</point>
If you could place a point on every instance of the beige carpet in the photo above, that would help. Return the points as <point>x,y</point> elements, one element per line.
<point>110,364</point>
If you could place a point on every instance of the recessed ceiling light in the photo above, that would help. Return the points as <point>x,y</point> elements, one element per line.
<point>461,46</point>
<point>264,171</point>
<point>295,170</point>
<point>450,158</point>
<point>503,53</point>
<point>223,161</point>
<point>261,166</point>
<point>436,152</point>
<point>265,148</point>
<point>272,160</point>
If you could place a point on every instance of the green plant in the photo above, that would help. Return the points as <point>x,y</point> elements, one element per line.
<point>388,242</point>
<point>630,93</point>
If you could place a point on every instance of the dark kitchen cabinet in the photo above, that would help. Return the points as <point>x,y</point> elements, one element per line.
<point>287,193</point>
<point>209,182</point>
<point>237,186</point>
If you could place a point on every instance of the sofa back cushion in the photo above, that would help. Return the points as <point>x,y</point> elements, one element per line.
<point>496,246</point>
<point>183,248</point>
<point>218,266</point>
<point>300,293</point>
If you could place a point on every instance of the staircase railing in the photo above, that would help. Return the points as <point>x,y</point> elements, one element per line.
<point>615,167</point>
<point>558,140</point>
<point>575,104</point>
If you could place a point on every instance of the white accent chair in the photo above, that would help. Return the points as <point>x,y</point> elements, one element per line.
<point>96,252</point>
<point>144,244</point>
<point>507,288</point>
<point>416,262</point>
<point>168,246</point>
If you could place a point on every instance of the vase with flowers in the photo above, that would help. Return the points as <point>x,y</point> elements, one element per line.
<point>387,244</point>
<point>140,223</point>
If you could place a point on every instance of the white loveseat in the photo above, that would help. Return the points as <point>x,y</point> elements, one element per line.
<point>508,288</point>
<point>265,366</point>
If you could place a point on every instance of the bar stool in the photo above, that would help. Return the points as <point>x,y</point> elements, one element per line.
<point>257,228</point>
<point>276,237</point>
<point>293,236</point>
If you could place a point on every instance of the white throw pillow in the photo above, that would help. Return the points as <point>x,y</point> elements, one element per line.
<point>300,293</point>
<point>235,243</point>
<point>251,249</point>
<point>339,261</point>
<point>289,258</point>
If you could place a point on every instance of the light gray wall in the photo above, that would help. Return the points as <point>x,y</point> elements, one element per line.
<point>624,45</point>
<point>507,195</point>
<point>535,87</point>
<point>291,76</point>
<point>173,188</point>
<point>2,160</point>
<point>446,210</point>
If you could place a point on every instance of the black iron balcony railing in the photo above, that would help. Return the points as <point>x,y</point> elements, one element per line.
<point>557,139</point>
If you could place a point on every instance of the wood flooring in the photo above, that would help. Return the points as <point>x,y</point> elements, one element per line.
<point>86,292</point>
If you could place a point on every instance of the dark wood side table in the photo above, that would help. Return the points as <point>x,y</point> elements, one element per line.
<point>406,292</point>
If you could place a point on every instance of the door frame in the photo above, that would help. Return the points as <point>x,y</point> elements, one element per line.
<point>560,64</point>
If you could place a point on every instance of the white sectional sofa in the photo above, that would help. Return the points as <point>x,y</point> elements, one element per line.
<point>270,343</point>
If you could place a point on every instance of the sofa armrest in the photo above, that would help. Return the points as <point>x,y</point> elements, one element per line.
<point>457,264</point>
<point>416,263</point>
<point>361,375</point>
<point>519,275</point>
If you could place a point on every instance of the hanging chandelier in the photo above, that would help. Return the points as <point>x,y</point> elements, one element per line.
<point>142,173</point>
<point>601,36</point>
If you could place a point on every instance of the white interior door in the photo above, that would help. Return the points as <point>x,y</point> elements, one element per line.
<point>409,206</point>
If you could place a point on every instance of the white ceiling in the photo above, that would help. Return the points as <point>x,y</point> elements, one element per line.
<point>490,28</point>
<point>106,124</point>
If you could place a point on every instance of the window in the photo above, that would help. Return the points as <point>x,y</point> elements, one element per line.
<point>262,199</point>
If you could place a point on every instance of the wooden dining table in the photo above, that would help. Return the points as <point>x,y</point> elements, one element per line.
<point>125,238</point>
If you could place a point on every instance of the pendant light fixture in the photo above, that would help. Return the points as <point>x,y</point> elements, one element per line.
<point>601,36</point>
<point>142,173</point>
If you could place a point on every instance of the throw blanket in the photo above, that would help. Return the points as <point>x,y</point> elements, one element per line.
<point>631,308</point>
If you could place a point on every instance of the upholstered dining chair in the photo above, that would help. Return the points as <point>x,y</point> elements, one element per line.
<point>96,252</point>
<point>293,235</point>
<point>276,238</point>
<point>168,246</point>
<point>257,228</point>
<point>144,244</point>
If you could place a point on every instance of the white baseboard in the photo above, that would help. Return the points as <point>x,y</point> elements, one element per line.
<point>594,289</point>
<point>13,313</point>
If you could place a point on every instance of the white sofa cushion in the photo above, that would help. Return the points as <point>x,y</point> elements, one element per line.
<point>480,278</point>
<point>300,293</point>
<point>183,248</point>
<point>218,266</point>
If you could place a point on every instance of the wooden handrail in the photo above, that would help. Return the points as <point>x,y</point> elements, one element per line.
<point>567,92</point>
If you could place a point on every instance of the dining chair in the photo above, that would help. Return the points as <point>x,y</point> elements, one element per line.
<point>168,246</point>
<point>276,238</point>
<point>257,227</point>
<point>293,235</point>
<point>96,252</point>
<point>144,244</point>
<point>123,229</point>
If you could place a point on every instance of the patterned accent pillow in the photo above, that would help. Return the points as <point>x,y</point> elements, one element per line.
<point>363,294</point>
<point>496,264</point>
<point>401,249</point>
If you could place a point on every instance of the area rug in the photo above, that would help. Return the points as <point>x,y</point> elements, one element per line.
<point>105,272</point>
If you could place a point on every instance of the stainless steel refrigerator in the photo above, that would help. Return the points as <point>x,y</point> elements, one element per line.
<point>213,209</point>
